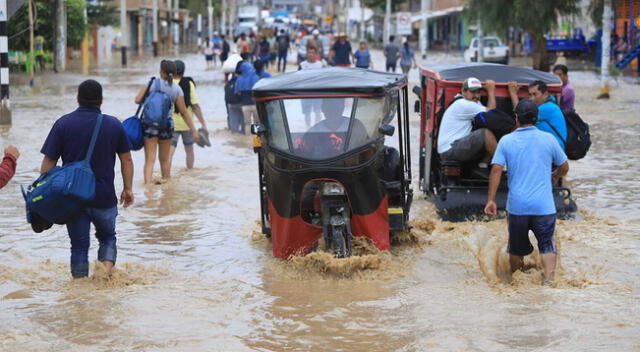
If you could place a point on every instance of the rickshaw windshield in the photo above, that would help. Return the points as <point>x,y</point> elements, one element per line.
<point>322,128</point>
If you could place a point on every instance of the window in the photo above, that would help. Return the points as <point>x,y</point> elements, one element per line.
<point>276,130</point>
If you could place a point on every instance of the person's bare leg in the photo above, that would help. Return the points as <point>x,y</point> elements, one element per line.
<point>516,262</point>
<point>190,156</point>
<point>108,267</point>
<point>490,145</point>
<point>150,150</point>
<point>549,261</point>
<point>164,155</point>
<point>172,151</point>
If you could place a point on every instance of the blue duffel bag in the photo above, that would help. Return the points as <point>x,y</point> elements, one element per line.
<point>61,193</point>
<point>133,125</point>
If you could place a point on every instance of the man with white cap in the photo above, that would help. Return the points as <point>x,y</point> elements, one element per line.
<point>316,42</point>
<point>456,141</point>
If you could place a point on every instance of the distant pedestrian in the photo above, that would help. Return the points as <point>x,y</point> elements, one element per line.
<point>567,102</point>
<point>341,52</point>
<point>391,54</point>
<point>232,102</point>
<point>284,45</point>
<point>181,129</point>
<point>157,141</point>
<point>8,165</point>
<point>217,49</point>
<point>258,66</point>
<point>224,54</point>
<point>69,139</point>
<point>407,58</point>
<point>244,45</point>
<point>316,42</point>
<point>264,50</point>
<point>528,153</point>
<point>208,52</point>
<point>310,105</point>
<point>363,56</point>
<point>39,49</point>
<point>243,87</point>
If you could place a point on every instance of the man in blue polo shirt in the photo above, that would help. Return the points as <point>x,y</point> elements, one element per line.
<point>528,154</point>
<point>69,139</point>
<point>550,116</point>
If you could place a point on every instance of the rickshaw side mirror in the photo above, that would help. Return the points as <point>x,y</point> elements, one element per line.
<point>416,106</point>
<point>386,130</point>
<point>258,129</point>
<point>417,91</point>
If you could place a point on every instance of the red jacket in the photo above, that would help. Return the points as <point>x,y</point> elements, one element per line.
<point>7,169</point>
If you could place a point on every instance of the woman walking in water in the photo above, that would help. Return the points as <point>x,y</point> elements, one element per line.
<point>208,52</point>
<point>158,140</point>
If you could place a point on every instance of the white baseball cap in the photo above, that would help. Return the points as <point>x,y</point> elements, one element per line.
<point>472,83</point>
<point>315,32</point>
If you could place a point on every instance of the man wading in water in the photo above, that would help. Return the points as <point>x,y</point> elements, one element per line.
<point>528,153</point>
<point>69,138</point>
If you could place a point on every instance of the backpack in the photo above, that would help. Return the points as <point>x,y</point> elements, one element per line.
<point>578,139</point>
<point>133,125</point>
<point>283,43</point>
<point>229,92</point>
<point>157,109</point>
<point>61,193</point>
<point>497,121</point>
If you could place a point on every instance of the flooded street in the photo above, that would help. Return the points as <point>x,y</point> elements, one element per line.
<point>195,274</point>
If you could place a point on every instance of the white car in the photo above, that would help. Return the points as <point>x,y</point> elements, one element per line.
<point>494,51</point>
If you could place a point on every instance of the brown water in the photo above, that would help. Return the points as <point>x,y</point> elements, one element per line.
<point>194,274</point>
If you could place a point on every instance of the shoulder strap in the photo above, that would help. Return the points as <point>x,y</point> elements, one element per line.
<point>145,96</point>
<point>94,137</point>
<point>556,132</point>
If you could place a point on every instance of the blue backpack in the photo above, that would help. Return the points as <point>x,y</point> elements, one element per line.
<point>133,125</point>
<point>59,194</point>
<point>156,112</point>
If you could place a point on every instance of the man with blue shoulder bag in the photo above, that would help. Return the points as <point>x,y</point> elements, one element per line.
<point>87,134</point>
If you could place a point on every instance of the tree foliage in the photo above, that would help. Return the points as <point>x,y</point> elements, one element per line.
<point>596,8</point>
<point>537,17</point>
<point>45,13</point>
<point>102,13</point>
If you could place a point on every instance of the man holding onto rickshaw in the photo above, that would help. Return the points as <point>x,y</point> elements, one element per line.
<point>456,140</point>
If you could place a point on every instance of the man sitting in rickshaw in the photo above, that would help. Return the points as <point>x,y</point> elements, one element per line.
<point>456,141</point>
<point>328,137</point>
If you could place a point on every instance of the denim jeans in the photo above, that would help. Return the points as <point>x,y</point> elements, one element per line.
<point>104,221</point>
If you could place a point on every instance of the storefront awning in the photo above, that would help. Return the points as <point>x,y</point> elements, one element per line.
<point>436,14</point>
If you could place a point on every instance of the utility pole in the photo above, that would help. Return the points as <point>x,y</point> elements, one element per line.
<point>606,47</point>
<point>480,42</point>
<point>425,7</point>
<point>176,25</point>
<point>155,28</point>
<point>60,52</point>
<point>169,29</point>
<point>5,108</point>
<point>199,28</point>
<point>31,58</point>
<point>84,47</point>
<point>387,23</point>
<point>362,26</point>
<point>123,31</point>
<point>210,18</point>
<point>223,17</point>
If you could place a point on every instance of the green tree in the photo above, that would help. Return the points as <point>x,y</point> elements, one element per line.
<point>537,17</point>
<point>45,24</point>
<point>102,13</point>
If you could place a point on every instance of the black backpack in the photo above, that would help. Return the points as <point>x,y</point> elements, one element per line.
<point>578,138</point>
<point>497,121</point>
<point>283,43</point>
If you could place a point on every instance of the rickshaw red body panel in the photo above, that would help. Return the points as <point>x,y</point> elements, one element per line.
<point>294,236</point>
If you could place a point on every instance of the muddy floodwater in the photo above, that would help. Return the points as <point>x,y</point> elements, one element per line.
<point>195,274</point>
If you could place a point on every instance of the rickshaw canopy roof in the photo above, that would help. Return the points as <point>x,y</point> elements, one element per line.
<point>496,72</point>
<point>330,81</point>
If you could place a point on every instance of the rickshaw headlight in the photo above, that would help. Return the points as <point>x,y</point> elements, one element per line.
<point>332,189</point>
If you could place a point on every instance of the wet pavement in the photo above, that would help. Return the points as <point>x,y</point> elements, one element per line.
<point>195,274</point>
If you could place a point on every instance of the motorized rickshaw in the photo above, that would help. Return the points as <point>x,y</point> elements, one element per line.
<point>460,189</point>
<point>325,170</point>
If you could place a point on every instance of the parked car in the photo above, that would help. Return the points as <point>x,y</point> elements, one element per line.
<point>494,51</point>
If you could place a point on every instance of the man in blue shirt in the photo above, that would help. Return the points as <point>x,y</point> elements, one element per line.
<point>341,51</point>
<point>69,139</point>
<point>528,155</point>
<point>550,116</point>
